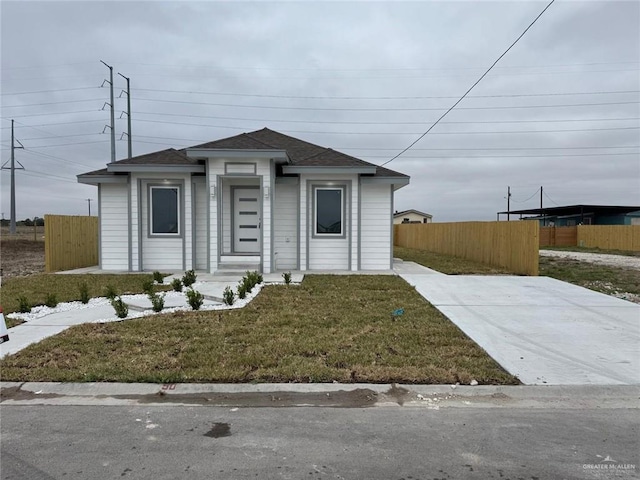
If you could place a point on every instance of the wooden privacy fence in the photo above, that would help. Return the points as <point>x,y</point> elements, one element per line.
<point>510,245</point>
<point>610,237</point>
<point>70,242</point>
<point>558,236</point>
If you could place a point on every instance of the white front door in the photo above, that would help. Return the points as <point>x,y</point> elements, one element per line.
<point>246,220</point>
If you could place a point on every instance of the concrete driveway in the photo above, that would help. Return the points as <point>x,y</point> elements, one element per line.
<point>540,329</point>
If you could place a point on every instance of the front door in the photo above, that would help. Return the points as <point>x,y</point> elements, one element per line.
<point>246,220</point>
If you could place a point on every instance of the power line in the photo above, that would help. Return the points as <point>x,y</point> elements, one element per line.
<point>394,133</point>
<point>48,91</point>
<point>68,144</point>
<point>384,123</point>
<point>550,199</point>
<point>524,201</point>
<point>56,123</point>
<point>54,157</point>
<point>308,97</point>
<point>494,148</point>
<point>340,109</point>
<point>52,103</point>
<point>374,68</point>
<point>513,156</point>
<point>54,113</point>
<point>472,86</point>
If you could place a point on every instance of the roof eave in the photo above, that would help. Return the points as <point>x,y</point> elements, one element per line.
<point>155,168</point>
<point>102,178</point>
<point>300,169</point>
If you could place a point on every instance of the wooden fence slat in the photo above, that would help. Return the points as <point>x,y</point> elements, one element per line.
<point>70,242</point>
<point>609,237</point>
<point>511,245</point>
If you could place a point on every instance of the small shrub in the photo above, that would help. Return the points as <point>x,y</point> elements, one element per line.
<point>176,284</point>
<point>246,284</point>
<point>195,298</point>
<point>110,292</point>
<point>228,296</point>
<point>23,305</point>
<point>121,308</point>
<point>242,290</point>
<point>259,278</point>
<point>189,278</point>
<point>147,287</point>
<point>287,277</point>
<point>157,277</point>
<point>84,293</point>
<point>51,300</point>
<point>157,301</point>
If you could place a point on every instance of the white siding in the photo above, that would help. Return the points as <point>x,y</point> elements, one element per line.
<point>375,222</point>
<point>200,228</point>
<point>285,225</point>
<point>114,241</point>
<point>329,253</point>
<point>164,253</point>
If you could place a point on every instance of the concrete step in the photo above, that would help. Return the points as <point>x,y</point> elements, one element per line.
<point>236,268</point>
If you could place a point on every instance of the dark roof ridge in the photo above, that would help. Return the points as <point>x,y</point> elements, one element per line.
<point>258,140</point>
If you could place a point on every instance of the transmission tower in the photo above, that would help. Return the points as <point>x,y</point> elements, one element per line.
<point>13,168</point>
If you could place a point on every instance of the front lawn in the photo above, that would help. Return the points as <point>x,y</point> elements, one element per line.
<point>329,328</point>
<point>446,263</point>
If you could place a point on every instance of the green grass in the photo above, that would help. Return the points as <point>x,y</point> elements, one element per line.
<point>447,264</point>
<point>66,287</point>
<point>328,328</point>
<point>601,278</point>
<point>593,250</point>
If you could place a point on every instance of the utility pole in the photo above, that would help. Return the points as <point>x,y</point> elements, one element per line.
<point>113,118</point>
<point>13,168</point>
<point>89,202</point>
<point>544,220</point>
<point>128,92</point>
<point>508,202</point>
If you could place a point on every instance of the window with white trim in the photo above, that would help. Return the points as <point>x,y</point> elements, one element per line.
<point>164,206</point>
<point>329,210</point>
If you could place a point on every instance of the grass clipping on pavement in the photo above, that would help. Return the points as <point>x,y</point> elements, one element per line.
<point>328,328</point>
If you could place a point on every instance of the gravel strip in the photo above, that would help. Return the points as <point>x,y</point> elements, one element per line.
<point>598,258</point>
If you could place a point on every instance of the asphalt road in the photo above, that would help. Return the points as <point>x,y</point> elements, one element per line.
<point>41,442</point>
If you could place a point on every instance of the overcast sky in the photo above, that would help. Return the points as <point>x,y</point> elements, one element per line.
<point>560,110</point>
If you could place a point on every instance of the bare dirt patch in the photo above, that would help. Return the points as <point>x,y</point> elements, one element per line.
<point>19,258</point>
<point>622,261</point>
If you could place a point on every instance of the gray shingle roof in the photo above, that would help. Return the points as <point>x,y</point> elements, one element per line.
<point>300,152</point>
<point>170,156</point>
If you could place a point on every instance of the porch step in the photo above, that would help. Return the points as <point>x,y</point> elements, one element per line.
<point>236,268</point>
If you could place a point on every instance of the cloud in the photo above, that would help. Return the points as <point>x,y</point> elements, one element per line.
<point>364,77</point>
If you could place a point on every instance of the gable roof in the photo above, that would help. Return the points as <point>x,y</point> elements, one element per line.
<point>404,212</point>
<point>299,152</point>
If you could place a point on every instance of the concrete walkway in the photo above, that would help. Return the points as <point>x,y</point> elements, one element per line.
<point>540,329</point>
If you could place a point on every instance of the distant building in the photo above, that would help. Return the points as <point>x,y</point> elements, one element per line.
<point>581,215</point>
<point>411,216</point>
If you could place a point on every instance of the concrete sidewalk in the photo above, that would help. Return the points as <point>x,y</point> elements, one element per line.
<point>540,329</point>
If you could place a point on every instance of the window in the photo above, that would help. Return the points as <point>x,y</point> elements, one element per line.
<point>329,211</point>
<point>165,210</point>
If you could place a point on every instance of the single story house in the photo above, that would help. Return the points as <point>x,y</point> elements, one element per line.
<point>259,200</point>
<point>571,215</point>
<point>412,216</point>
